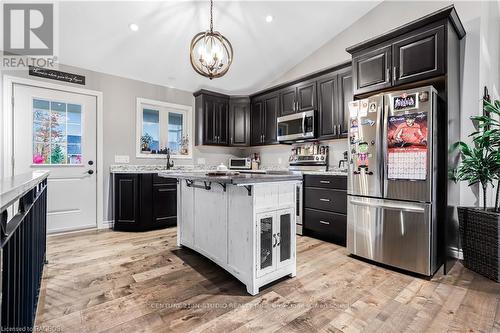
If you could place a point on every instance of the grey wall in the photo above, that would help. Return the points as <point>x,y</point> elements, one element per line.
<point>119,114</point>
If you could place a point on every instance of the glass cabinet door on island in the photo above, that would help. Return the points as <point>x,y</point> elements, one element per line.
<point>266,236</point>
<point>276,240</point>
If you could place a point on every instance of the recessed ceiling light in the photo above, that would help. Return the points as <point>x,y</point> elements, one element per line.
<point>269,18</point>
<point>133,27</point>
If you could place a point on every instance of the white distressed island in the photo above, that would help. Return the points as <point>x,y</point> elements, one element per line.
<point>245,223</point>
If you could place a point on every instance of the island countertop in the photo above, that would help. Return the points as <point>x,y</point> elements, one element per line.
<point>239,179</point>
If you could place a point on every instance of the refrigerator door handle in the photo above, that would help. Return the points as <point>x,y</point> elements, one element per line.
<point>402,207</point>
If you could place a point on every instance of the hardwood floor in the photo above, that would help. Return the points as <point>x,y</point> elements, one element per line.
<point>141,282</point>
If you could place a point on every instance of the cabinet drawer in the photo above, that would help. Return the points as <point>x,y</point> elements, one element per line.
<point>326,199</point>
<point>327,224</point>
<point>161,180</point>
<point>334,182</point>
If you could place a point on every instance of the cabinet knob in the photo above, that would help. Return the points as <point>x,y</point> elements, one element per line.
<point>90,172</point>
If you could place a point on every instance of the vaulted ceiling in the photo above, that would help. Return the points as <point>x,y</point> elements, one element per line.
<point>96,35</point>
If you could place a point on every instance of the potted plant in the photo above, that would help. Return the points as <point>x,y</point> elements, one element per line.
<point>146,140</point>
<point>480,164</point>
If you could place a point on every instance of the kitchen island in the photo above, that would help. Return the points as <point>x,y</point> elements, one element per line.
<point>245,223</point>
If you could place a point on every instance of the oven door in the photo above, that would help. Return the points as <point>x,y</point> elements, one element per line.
<point>296,126</point>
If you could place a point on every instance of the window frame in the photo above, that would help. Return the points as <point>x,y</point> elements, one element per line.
<point>165,108</point>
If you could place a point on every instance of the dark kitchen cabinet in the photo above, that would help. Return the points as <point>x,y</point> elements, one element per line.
<point>144,202</point>
<point>288,101</point>
<point>264,114</point>
<point>328,115</point>
<point>372,70</point>
<point>239,121</point>
<point>325,207</point>
<point>334,94</point>
<point>212,118</point>
<point>404,57</point>
<point>299,97</point>
<point>345,96</point>
<point>418,56</point>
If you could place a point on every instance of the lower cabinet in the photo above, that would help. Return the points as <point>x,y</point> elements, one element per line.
<point>144,202</point>
<point>275,239</point>
<point>325,207</point>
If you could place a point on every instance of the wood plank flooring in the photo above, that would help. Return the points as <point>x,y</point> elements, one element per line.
<point>112,281</point>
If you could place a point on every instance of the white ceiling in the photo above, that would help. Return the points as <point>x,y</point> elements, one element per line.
<point>96,36</point>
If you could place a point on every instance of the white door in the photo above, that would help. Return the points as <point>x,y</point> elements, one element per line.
<point>56,130</point>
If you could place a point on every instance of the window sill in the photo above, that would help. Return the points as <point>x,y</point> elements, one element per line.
<point>161,156</point>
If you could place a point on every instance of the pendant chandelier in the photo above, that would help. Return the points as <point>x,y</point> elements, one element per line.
<point>211,54</point>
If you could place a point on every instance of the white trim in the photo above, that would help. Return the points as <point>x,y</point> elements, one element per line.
<point>187,110</point>
<point>7,139</point>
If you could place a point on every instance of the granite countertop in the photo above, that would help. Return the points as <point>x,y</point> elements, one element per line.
<point>13,188</point>
<point>130,168</point>
<point>240,179</point>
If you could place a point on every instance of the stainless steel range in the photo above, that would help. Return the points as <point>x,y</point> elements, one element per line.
<point>306,157</point>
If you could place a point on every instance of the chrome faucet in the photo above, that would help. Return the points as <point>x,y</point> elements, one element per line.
<point>170,163</point>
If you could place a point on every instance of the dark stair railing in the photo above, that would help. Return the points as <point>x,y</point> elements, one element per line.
<point>22,257</point>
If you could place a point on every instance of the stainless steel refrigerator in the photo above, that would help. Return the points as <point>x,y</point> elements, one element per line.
<point>398,183</point>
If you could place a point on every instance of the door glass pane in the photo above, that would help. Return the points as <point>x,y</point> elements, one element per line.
<point>285,236</point>
<point>175,132</point>
<point>289,127</point>
<point>150,138</point>
<point>266,242</point>
<point>56,132</point>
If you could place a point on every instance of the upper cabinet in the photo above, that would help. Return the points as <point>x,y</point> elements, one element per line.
<point>409,54</point>
<point>334,94</point>
<point>212,118</point>
<point>372,70</point>
<point>298,98</point>
<point>239,121</point>
<point>418,56</point>
<point>264,115</point>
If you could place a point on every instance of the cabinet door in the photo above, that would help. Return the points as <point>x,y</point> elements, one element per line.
<point>239,123</point>
<point>419,56</point>
<point>288,101</point>
<point>266,243</point>
<point>256,120</point>
<point>271,107</point>
<point>328,107</point>
<point>285,227</point>
<point>372,70</point>
<point>222,123</point>
<point>345,96</point>
<point>127,199</point>
<point>209,114</point>
<point>306,96</point>
<point>164,204</point>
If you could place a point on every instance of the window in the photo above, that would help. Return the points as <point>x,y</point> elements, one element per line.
<point>57,132</point>
<point>162,126</point>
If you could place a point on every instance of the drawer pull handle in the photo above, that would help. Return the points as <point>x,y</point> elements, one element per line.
<point>324,181</point>
<point>324,222</point>
<point>323,199</point>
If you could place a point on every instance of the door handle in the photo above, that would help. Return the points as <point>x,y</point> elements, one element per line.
<point>324,222</point>
<point>279,239</point>
<point>388,74</point>
<point>394,74</point>
<point>275,240</point>
<point>401,207</point>
<point>324,181</point>
<point>340,129</point>
<point>324,199</point>
<point>90,172</point>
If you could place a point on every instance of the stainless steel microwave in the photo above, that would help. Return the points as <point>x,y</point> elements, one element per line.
<point>240,163</point>
<point>298,126</point>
